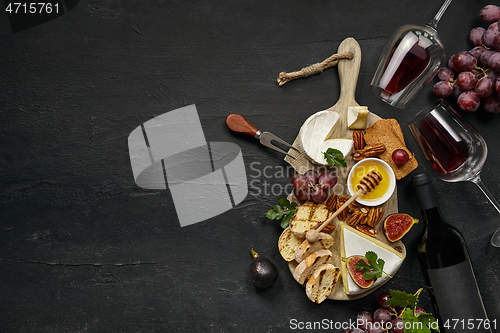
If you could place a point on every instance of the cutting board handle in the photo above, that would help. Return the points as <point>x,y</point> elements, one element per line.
<point>349,71</point>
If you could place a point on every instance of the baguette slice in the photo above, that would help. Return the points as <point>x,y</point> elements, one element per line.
<point>307,216</point>
<point>321,282</point>
<point>309,264</point>
<point>288,244</point>
<point>305,249</point>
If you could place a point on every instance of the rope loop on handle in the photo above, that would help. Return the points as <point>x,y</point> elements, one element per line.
<point>313,69</point>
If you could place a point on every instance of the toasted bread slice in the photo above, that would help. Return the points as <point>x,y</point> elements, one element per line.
<point>307,216</point>
<point>325,241</point>
<point>321,282</point>
<point>309,264</point>
<point>288,244</point>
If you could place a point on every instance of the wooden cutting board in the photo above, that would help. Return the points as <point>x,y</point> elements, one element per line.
<point>348,74</point>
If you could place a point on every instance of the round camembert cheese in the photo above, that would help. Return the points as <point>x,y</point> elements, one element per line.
<point>314,137</point>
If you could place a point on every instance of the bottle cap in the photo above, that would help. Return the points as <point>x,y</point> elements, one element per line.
<point>425,193</point>
<point>421,179</point>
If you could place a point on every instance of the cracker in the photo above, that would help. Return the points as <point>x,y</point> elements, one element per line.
<point>388,132</point>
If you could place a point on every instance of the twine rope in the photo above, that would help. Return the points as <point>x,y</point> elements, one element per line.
<point>313,69</point>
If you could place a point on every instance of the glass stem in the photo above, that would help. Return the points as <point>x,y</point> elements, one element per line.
<point>435,20</point>
<point>495,239</point>
<point>487,193</point>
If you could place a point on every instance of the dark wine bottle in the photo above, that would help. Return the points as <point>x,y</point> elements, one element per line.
<point>447,269</point>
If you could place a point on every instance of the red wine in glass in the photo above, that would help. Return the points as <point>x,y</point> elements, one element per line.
<point>445,149</point>
<point>408,59</point>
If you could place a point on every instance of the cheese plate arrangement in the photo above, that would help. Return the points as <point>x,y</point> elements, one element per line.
<point>359,246</point>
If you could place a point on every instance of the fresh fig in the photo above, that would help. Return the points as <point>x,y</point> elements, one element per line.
<point>263,273</point>
<point>397,225</point>
<point>356,275</point>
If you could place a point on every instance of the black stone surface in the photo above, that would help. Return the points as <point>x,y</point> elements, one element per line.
<point>83,249</point>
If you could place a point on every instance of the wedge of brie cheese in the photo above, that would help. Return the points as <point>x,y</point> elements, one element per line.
<point>354,242</point>
<point>314,137</point>
<point>357,117</point>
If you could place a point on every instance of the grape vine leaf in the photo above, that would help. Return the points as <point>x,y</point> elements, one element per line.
<point>334,157</point>
<point>421,323</point>
<point>402,299</point>
<point>284,213</point>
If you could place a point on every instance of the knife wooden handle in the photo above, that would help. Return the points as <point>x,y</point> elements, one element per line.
<point>238,123</point>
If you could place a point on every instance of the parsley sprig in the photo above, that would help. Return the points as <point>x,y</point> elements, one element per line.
<point>284,213</point>
<point>374,267</point>
<point>334,157</point>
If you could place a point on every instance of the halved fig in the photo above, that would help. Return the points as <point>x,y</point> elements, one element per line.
<point>397,225</point>
<point>356,275</point>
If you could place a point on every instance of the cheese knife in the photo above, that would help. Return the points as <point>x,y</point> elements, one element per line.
<point>237,123</point>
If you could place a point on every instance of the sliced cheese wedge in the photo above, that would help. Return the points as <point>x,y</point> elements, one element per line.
<point>314,137</point>
<point>357,117</point>
<point>354,242</point>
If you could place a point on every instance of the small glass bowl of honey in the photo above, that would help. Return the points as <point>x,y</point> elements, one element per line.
<point>379,194</point>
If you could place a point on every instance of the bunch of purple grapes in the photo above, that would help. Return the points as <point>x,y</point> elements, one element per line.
<point>382,319</point>
<point>313,186</point>
<point>473,77</point>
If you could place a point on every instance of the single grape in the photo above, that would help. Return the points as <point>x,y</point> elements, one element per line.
<point>451,64</point>
<point>493,26</point>
<point>299,181</point>
<point>466,80</point>
<point>485,56</point>
<point>382,316</point>
<point>318,194</point>
<point>328,179</point>
<point>400,157</point>
<point>476,34</point>
<point>356,330</point>
<point>488,37</point>
<point>456,91</point>
<point>477,52</point>
<point>496,42</point>
<point>464,61</point>
<point>382,299</point>
<point>468,101</point>
<point>301,194</point>
<point>491,103</point>
<point>445,74</point>
<point>493,75</point>
<point>442,89</point>
<point>418,310</point>
<point>489,14</point>
<point>397,325</point>
<point>312,177</point>
<point>364,319</point>
<point>484,87</point>
<point>494,62</point>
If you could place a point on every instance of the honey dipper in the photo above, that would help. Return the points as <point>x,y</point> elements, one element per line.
<point>367,184</point>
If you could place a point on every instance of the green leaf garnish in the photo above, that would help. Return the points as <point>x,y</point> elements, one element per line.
<point>284,212</point>
<point>374,267</point>
<point>402,299</point>
<point>421,323</point>
<point>334,157</point>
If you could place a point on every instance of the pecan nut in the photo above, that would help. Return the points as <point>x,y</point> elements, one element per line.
<point>357,217</point>
<point>341,199</point>
<point>367,230</point>
<point>331,202</point>
<point>369,151</point>
<point>358,139</point>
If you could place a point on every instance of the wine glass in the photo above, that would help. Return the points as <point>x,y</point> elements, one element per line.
<point>453,147</point>
<point>409,61</point>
